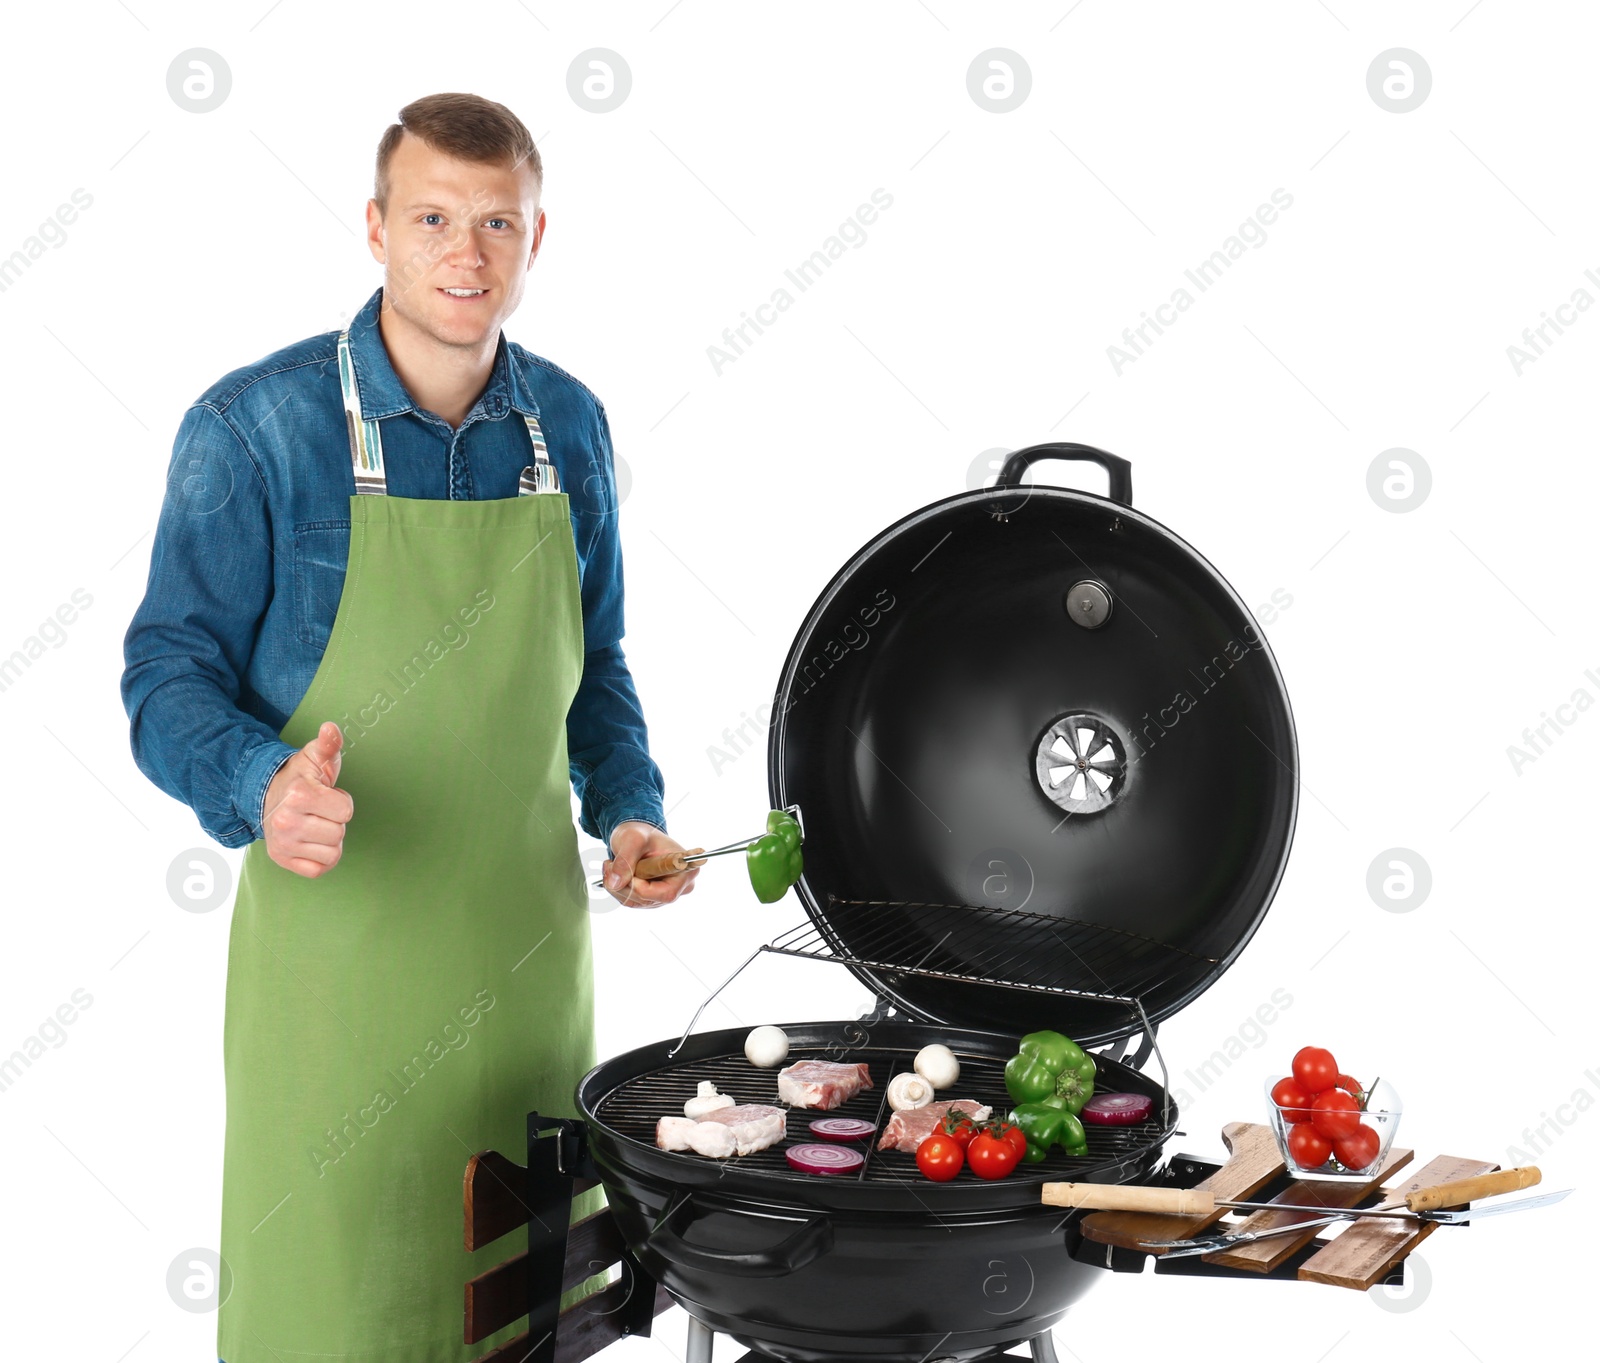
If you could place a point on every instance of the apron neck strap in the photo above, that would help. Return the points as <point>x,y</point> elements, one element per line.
<point>366,445</point>
<point>366,442</point>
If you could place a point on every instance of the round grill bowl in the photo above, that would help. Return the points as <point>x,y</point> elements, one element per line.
<point>886,1266</point>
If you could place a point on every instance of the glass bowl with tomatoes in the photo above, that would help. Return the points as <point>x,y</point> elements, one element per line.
<point>1340,1131</point>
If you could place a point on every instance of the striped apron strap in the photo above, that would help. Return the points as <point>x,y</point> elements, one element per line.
<point>366,444</point>
<point>541,475</point>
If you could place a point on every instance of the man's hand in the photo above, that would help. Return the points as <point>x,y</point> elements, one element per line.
<point>631,842</point>
<point>304,815</point>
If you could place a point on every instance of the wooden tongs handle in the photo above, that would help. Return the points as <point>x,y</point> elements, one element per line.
<point>653,868</point>
<point>1114,1197</point>
<point>1465,1190</point>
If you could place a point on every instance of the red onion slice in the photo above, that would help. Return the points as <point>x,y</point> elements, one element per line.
<point>1116,1109</point>
<point>841,1129</point>
<point>824,1159</point>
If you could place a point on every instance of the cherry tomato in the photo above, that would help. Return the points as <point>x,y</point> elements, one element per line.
<point>1308,1147</point>
<point>958,1126</point>
<point>1013,1135</point>
<point>1351,1085</point>
<point>1358,1149</point>
<point>940,1158</point>
<point>1315,1069</point>
<point>1335,1114</point>
<point>992,1156</point>
<point>1293,1100</point>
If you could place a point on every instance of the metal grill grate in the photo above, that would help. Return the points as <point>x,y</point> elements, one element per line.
<point>632,1108</point>
<point>976,944</point>
<point>980,945</point>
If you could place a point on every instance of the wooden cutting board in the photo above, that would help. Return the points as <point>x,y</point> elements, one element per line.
<point>1365,1253</point>
<point>1262,1256</point>
<point>1254,1162</point>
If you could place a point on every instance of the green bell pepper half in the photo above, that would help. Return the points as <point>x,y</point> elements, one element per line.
<point>1045,1125</point>
<point>774,860</point>
<point>1051,1068</point>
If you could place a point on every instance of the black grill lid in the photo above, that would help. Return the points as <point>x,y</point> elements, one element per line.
<point>1035,738</point>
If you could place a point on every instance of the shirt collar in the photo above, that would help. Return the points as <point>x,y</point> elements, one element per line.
<point>383,394</point>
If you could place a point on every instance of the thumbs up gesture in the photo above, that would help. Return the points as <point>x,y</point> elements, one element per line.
<point>304,815</point>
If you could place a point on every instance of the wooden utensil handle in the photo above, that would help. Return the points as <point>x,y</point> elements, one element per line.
<point>1115,1197</point>
<point>653,868</point>
<point>1471,1189</point>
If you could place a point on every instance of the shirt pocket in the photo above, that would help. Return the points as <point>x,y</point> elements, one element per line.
<point>321,552</point>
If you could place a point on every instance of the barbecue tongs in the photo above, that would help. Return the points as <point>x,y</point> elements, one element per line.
<point>1178,1249</point>
<point>654,868</point>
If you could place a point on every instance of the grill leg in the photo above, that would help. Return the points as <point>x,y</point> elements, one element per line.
<point>701,1336</point>
<point>1043,1348</point>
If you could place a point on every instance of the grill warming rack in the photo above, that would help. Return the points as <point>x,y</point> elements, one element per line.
<point>982,945</point>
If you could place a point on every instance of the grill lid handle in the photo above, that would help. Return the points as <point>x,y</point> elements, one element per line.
<point>1119,472</point>
<point>812,1240</point>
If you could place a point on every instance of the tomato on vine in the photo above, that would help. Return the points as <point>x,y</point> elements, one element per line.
<point>1335,1114</point>
<point>991,1155</point>
<point>1293,1100</point>
<point>1308,1147</point>
<point>940,1158</point>
<point>959,1127</point>
<point>1315,1069</point>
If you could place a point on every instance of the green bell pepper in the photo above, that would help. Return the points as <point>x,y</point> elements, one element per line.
<point>1045,1125</point>
<point>1050,1068</point>
<point>774,860</point>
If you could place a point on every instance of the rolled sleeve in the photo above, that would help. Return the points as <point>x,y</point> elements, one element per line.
<point>189,642</point>
<point>608,749</point>
<point>607,741</point>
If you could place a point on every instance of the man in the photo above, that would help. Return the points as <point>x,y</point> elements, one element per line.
<point>389,557</point>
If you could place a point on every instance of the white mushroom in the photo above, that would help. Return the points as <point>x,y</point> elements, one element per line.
<point>706,1101</point>
<point>766,1047</point>
<point>908,1091</point>
<point>938,1065</point>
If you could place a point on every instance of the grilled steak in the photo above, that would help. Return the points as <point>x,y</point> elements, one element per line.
<point>821,1083</point>
<point>907,1130</point>
<point>727,1131</point>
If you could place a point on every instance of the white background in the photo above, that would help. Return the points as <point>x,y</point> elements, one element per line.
<point>976,316</point>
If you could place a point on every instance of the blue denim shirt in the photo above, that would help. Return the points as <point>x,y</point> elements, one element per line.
<point>249,560</point>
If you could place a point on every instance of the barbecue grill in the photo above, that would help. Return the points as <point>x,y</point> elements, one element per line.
<point>1047,769</point>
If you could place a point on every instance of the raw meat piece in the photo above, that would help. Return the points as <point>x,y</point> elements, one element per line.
<point>821,1083</point>
<point>907,1130</point>
<point>727,1131</point>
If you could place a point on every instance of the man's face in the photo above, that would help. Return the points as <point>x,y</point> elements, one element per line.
<point>455,225</point>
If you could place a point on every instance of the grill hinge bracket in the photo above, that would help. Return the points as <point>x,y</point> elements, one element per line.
<point>881,1011</point>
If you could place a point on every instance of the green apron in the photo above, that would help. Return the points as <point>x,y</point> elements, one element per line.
<point>408,1008</point>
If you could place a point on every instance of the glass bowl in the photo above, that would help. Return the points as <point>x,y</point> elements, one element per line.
<point>1381,1118</point>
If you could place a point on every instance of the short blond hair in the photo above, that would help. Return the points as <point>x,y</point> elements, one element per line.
<point>467,127</point>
